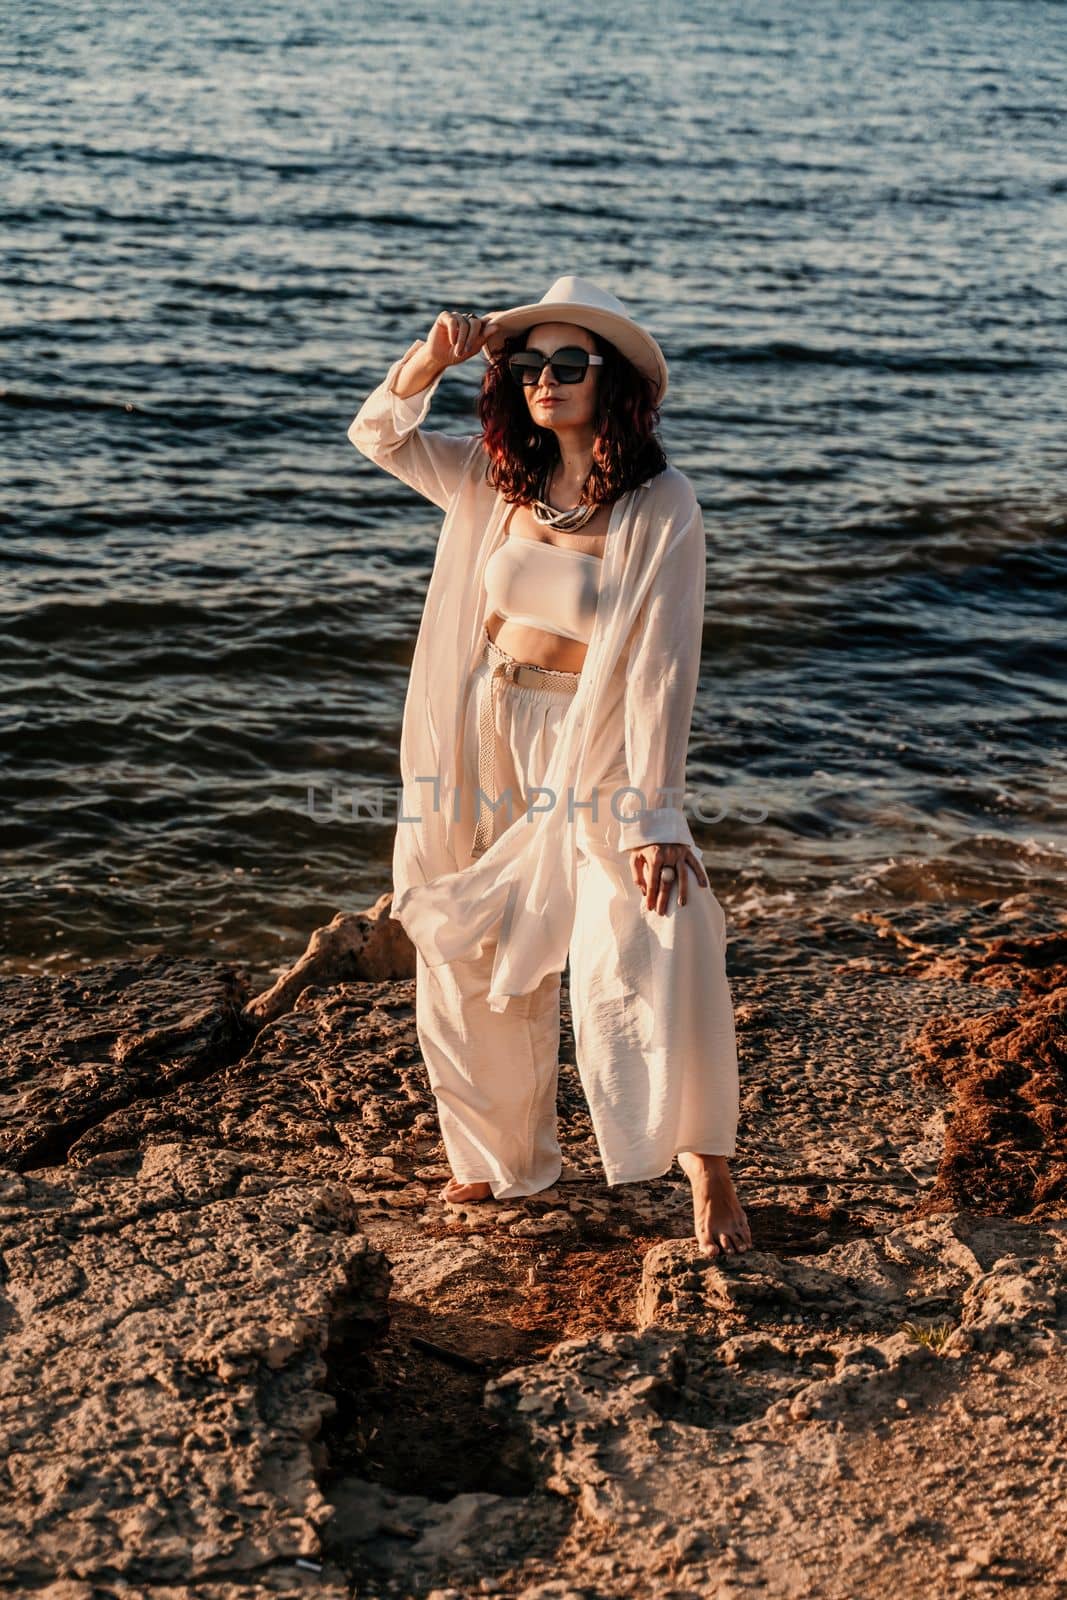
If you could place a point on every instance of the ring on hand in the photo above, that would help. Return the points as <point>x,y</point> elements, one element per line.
<point>668,873</point>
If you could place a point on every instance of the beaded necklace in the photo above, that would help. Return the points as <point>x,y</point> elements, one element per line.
<point>568,521</point>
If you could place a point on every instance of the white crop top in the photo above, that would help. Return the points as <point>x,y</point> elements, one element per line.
<point>544,586</point>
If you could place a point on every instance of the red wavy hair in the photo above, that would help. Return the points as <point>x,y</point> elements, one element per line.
<point>626,450</point>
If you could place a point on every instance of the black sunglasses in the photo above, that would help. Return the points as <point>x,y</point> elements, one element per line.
<point>569,365</point>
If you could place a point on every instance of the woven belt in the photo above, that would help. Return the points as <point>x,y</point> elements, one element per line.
<point>504,666</point>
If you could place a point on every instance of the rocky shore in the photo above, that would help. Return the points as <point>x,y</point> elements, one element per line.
<point>247,1352</point>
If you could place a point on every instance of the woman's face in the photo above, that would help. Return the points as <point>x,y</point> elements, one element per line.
<point>574,403</point>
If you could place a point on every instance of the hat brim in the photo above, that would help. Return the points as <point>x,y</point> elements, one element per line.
<point>630,340</point>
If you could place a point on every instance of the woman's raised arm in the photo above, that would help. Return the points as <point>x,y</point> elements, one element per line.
<point>386,428</point>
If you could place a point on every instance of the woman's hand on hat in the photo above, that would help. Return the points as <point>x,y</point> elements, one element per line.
<point>456,336</point>
<point>647,863</point>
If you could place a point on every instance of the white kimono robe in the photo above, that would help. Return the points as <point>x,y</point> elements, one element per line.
<point>638,685</point>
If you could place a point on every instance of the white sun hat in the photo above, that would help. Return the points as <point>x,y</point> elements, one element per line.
<point>578,300</point>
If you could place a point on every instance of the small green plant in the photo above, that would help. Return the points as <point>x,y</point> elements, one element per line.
<point>935,1334</point>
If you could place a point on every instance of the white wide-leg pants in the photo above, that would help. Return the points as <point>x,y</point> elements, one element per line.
<point>650,1000</point>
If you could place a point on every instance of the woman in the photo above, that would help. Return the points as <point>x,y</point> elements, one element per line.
<point>556,667</point>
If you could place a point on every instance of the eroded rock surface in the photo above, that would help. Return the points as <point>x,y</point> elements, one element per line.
<point>724,1442</point>
<point>202,1397</point>
<point>162,1382</point>
<point>76,1048</point>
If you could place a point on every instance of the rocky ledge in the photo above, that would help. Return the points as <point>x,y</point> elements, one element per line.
<point>248,1352</point>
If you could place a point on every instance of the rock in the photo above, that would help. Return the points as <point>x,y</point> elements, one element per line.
<point>75,1049</point>
<point>1017,1302</point>
<point>793,1388</point>
<point>458,1517</point>
<point>365,944</point>
<point>170,1323</point>
<point>534,1227</point>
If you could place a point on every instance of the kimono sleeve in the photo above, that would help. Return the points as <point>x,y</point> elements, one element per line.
<point>386,430</point>
<point>661,682</point>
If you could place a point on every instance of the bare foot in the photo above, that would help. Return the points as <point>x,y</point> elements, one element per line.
<point>721,1225</point>
<point>456,1191</point>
